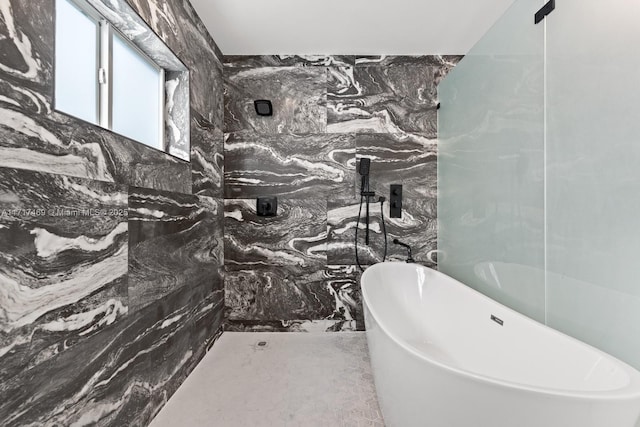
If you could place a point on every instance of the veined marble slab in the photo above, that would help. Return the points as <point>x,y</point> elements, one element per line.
<point>121,376</point>
<point>207,157</point>
<point>292,166</point>
<point>314,326</point>
<point>175,240</point>
<point>417,227</point>
<point>63,264</point>
<point>295,237</point>
<point>446,61</point>
<point>72,349</point>
<point>407,159</point>
<point>179,25</point>
<point>298,95</point>
<point>291,293</point>
<point>26,64</point>
<point>397,99</point>
<point>255,61</point>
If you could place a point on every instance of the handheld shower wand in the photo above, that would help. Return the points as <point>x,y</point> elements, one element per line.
<point>365,166</point>
<point>365,196</point>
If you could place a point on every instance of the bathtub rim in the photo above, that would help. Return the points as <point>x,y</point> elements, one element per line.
<point>630,391</point>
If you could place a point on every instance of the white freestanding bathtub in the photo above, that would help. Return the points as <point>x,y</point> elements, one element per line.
<point>444,355</point>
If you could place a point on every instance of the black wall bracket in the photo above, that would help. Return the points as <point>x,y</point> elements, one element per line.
<point>395,201</point>
<point>546,10</point>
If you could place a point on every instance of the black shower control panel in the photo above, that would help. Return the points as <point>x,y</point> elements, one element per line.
<point>395,201</point>
<point>267,206</point>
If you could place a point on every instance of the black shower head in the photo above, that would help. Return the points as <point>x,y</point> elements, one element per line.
<point>365,165</point>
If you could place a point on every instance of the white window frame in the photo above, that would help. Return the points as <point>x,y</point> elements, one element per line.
<point>105,34</point>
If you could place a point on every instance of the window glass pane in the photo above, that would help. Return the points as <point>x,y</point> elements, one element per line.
<point>136,95</point>
<point>76,62</point>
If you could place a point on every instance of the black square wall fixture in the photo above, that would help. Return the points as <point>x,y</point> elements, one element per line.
<point>263,107</point>
<point>267,206</point>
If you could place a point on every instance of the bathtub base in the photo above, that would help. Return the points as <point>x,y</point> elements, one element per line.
<point>412,393</point>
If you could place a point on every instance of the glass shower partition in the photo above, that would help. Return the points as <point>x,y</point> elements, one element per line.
<point>491,164</point>
<point>539,183</point>
<point>593,173</point>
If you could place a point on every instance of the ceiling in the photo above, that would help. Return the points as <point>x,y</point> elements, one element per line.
<point>348,27</point>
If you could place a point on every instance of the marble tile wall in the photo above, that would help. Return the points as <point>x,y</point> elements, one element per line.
<point>297,272</point>
<point>300,93</point>
<point>63,268</point>
<point>121,376</point>
<point>257,164</point>
<point>111,252</point>
<point>382,99</point>
<point>187,228</point>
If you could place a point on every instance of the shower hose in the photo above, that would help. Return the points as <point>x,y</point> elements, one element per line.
<point>384,229</point>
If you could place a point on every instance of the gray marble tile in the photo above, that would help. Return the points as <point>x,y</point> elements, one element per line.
<point>216,94</point>
<point>120,377</point>
<point>37,142</point>
<point>178,24</point>
<point>295,237</point>
<point>63,264</point>
<point>26,63</point>
<point>71,350</point>
<point>175,240</point>
<point>191,18</point>
<point>200,311</point>
<point>180,27</point>
<point>343,281</point>
<point>417,227</point>
<point>298,95</point>
<point>442,64</point>
<point>277,293</point>
<point>59,144</point>
<point>449,61</point>
<point>208,318</point>
<point>407,159</point>
<point>207,157</point>
<point>396,99</point>
<point>292,293</point>
<point>292,166</point>
<point>255,61</point>
<point>126,161</point>
<point>170,176</point>
<point>177,124</point>
<point>313,326</point>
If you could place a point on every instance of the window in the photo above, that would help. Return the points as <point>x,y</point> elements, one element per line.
<point>103,78</point>
<point>137,94</point>
<point>76,62</point>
